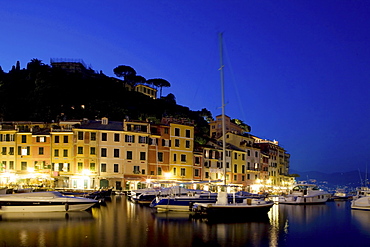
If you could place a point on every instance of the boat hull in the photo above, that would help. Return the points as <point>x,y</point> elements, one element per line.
<point>232,210</point>
<point>304,199</point>
<point>362,203</point>
<point>43,202</point>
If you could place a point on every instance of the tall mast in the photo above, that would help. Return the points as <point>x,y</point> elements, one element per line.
<point>223,108</point>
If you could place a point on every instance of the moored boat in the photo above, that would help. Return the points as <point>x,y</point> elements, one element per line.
<point>49,201</point>
<point>362,199</point>
<point>305,194</point>
<point>248,208</point>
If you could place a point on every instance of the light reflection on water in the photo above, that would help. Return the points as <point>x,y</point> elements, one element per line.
<point>122,223</point>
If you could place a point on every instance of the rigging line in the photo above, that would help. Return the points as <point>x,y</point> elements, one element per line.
<point>234,83</point>
<point>202,80</point>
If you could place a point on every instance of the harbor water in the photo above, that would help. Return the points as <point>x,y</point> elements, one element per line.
<point>123,223</point>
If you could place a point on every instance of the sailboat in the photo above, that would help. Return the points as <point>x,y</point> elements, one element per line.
<point>248,207</point>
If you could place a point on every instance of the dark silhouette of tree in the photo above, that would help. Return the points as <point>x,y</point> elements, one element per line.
<point>125,72</point>
<point>18,66</point>
<point>134,80</point>
<point>159,83</point>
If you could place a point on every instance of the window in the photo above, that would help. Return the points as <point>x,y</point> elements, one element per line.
<point>256,154</point>
<point>104,137</point>
<point>206,175</point>
<point>79,166</point>
<point>182,172</point>
<point>116,153</point>
<point>143,139</point>
<point>187,144</point>
<point>56,139</point>
<point>103,167</point>
<point>235,178</point>
<point>243,178</point>
<point>243,156</point>
<point>24,138</point>
<point>197,160</point>
<point>41,150</point>
<point>248,165</point>
<point>249,152</point>
<point>177,143</point>
<point>129,138</point>
<point>115,168</point>
<point>40,139</point>
<point>129,155</point>
<point>3,152</point>
<point>174,157</point>
<point>92,150</point>
<point>65,139</point>
<point>136,169</point>
<point>187,133</point>
<point>235,168</point>
<point>160,156</point>
<point>92,167</point>
<point>166,131</point>
<point>142,155</point>
<point>177,132</point>
<point>183,157</point>
<point>93,136</point>
<point>196,172</point>
<point>11,150</point>
<point>248,176</point>
<point>65,152</point>
<point>80,150</point>
<point>159,170</point>
<point>235,156</point>
<point>243,168</point>
<point>80,135</point>
<point>11,165</point>
<point>23,165</point>
<point>227,165</point>
<point>103,152</point>
<point>174,171</point>
<point>56,152</point>
<point>116,137</point>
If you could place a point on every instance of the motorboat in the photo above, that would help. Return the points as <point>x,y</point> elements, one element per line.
<point>362,199</point>
<point>48,201</point>
<point>247,208</point>
<point>305,194</point>
<point>185,202</point>
<point>340,194</point>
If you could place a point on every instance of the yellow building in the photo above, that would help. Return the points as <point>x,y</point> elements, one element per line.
<point>181,151</point>
<point>135,158</point>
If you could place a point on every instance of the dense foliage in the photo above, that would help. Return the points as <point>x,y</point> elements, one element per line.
<point>41,92</point>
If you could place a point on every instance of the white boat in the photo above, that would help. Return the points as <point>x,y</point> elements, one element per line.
<point>50,201</point>
<point>362,199</point>
<point>305,194</point>
<point>248,208</point>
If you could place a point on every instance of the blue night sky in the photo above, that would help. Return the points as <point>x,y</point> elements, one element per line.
<point>296,71</point>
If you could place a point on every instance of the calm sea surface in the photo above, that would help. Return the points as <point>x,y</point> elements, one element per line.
<point>122,223</point>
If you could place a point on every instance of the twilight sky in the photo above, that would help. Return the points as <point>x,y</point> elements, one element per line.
<point>297,71</point>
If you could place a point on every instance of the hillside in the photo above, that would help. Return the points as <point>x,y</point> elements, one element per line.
<point>337,179</point>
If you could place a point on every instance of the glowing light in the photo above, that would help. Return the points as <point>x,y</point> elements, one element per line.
<point>167,175</point>
<point>30,169</point>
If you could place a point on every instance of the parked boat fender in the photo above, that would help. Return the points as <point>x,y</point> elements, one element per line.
<point>66,206</point>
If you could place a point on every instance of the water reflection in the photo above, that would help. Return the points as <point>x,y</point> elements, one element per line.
<point>122,223</point>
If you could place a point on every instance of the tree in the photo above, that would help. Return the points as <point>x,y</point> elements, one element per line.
<point>124,71</point>
<point>241,124</point>
<point>159,83</point>
<point>133,80</point>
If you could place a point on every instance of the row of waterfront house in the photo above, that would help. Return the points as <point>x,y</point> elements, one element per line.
<point>127,155</point>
